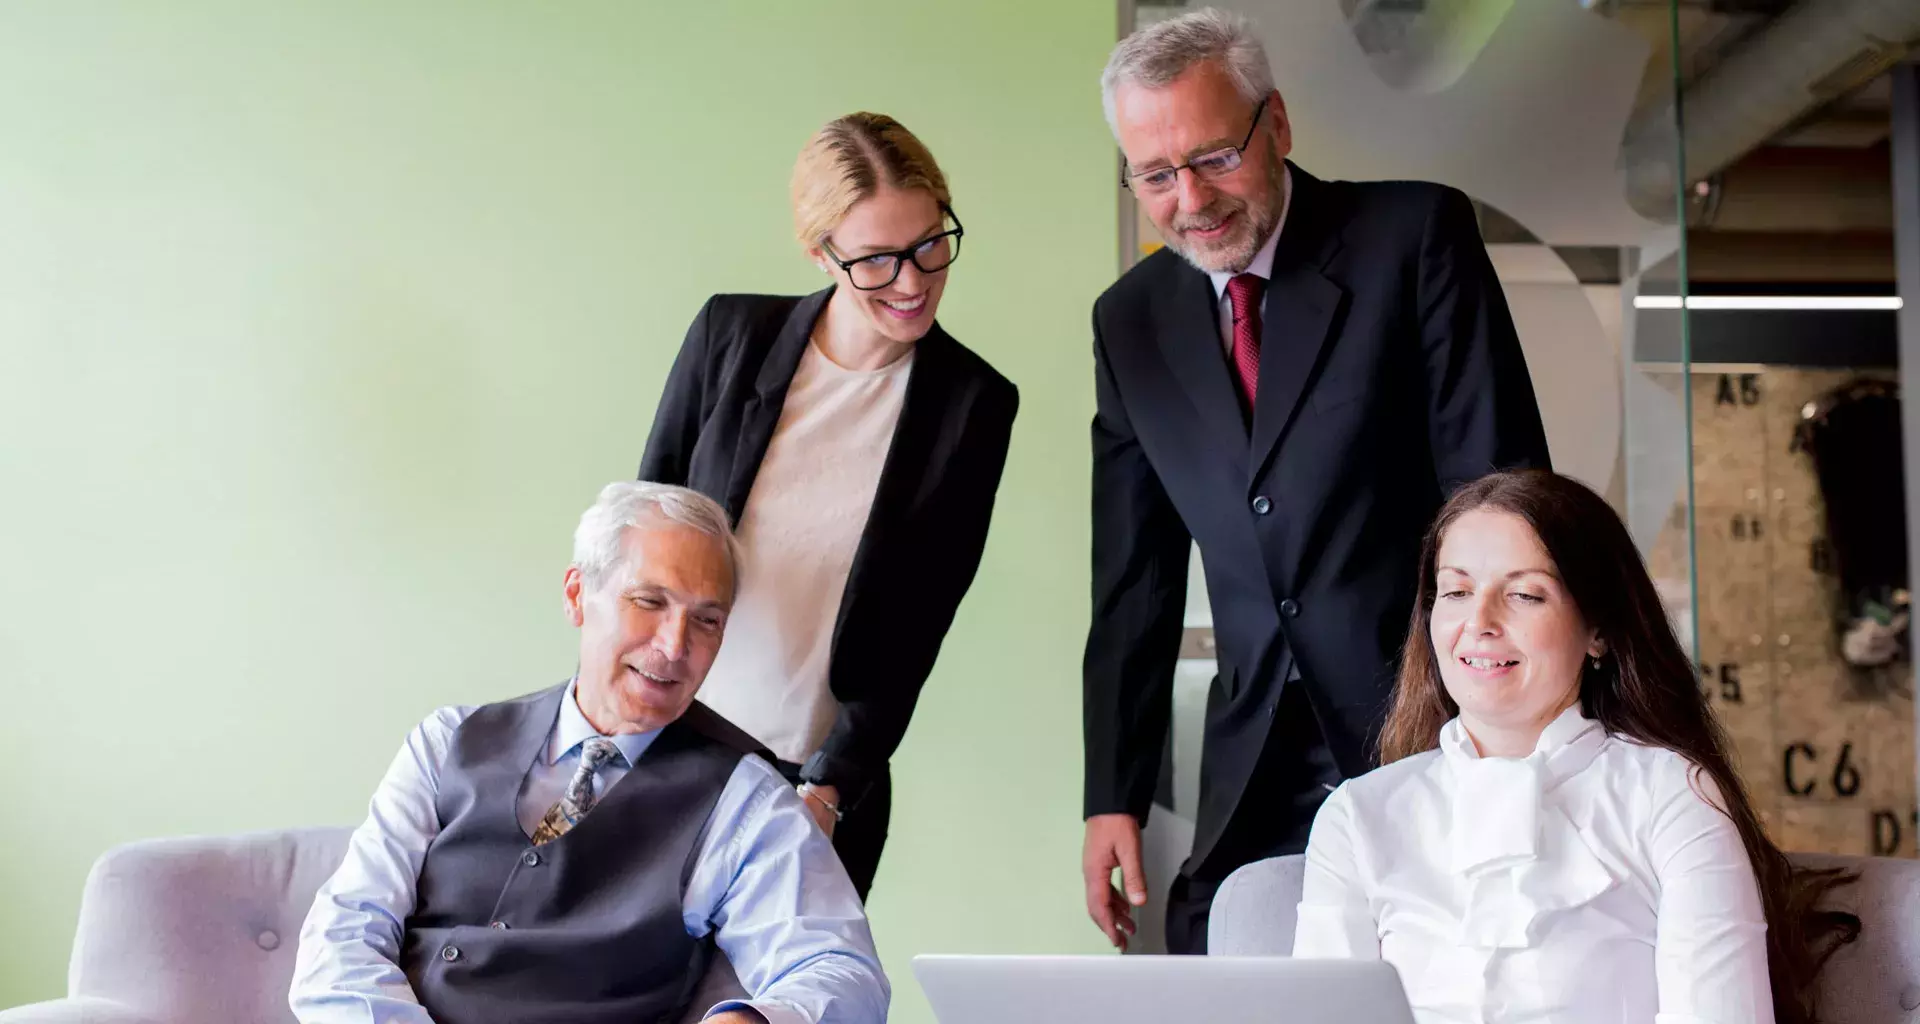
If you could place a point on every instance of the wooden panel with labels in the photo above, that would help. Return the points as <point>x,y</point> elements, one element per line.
<point>1827,751</point>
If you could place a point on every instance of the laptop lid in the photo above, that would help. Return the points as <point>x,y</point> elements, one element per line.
<point>1160,989</point>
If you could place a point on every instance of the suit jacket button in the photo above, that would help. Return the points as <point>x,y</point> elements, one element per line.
<point>1262,505</point>
<point>1290,608</point>
<point>530,859</point>
<point>450,954</point>
<point>498,926</point>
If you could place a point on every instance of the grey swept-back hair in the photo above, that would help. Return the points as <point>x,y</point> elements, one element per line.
<point>625,503</point>
<point>1161,52</point>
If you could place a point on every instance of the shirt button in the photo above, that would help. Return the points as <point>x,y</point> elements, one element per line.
<point>500,925</point>
<point>1262,506</point>
<point>530,859</point>
<point>450,954</point>
<point>1290,608</point>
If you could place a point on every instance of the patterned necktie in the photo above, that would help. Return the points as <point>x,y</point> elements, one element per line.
<point>578,799</point>
<point>1244,290</point>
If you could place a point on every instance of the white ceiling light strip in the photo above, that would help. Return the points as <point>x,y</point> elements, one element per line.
<point>1817,302</point>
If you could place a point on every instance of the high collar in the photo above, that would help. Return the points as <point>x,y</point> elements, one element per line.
<point>1566,730</point>
<point>1497,800</point>
<point>1508,836</point>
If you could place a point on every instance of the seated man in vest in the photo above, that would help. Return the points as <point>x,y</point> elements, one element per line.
<point>574,855</point>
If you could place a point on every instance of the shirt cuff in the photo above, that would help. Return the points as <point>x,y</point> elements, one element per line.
<point>774,1013</point>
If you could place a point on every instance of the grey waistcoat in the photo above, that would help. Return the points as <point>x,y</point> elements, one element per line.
<point>586,928</point>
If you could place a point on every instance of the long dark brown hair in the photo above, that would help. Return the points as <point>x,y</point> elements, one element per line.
<point>1644,690</point>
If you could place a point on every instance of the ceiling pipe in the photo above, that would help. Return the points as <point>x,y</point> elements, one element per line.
<point>1816,52</point>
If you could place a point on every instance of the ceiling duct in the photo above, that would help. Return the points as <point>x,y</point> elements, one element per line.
<point>1799,189</point>
<point>1813,54</point>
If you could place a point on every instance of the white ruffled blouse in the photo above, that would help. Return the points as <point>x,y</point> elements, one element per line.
<point>1589,883</point>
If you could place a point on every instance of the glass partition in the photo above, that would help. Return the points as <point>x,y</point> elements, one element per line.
<point>1787,353</point>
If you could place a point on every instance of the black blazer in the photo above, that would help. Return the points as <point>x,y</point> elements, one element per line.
<point>924,536</point>
<point>1390,374</point>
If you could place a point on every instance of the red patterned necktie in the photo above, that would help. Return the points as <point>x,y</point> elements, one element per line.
<point>1244,290</point>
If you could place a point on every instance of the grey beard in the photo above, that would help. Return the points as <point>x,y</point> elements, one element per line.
<point>1240,261</point>
<point>1277,190</point>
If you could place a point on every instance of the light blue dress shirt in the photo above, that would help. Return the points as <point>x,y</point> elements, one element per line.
<point>766,884</point>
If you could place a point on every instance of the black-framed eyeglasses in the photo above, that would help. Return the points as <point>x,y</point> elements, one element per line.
<point>875,271</point>
<point>1216,164</point>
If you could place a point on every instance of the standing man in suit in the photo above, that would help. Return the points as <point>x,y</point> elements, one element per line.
<point>1296,383</point>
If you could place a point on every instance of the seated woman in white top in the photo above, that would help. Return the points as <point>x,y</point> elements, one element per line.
<point>1556,833</point>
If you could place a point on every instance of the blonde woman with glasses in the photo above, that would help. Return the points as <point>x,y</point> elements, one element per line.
<point>857,447</point>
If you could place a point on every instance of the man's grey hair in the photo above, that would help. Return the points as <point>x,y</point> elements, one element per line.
<point>642,503</point>
<point>1159,53</point>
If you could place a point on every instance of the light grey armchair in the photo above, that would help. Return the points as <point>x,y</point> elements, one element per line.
<point>203,931</point>
<point>1875,980</point>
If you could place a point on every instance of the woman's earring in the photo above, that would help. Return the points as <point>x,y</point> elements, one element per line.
<point>1596,662</point>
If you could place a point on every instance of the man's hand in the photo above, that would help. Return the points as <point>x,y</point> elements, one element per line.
<point>1113,840</point>
<point>817,799</point>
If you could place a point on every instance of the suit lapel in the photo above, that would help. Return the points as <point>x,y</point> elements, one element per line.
<point>760,413</point>
<point>1188,332</point>
<point>908,466</point>
<point>1296,325</point>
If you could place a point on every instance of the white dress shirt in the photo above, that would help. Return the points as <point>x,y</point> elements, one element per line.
<point>808,508</point>
<point>766,883</point>
<point>1261,267</point>
<point>1592,882</point>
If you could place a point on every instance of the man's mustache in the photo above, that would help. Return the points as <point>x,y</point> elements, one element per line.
<point>1211,215</point>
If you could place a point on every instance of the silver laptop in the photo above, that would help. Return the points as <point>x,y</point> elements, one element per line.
<point>1160,990</point>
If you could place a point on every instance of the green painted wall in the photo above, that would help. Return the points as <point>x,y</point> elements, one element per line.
<point>319,325</point>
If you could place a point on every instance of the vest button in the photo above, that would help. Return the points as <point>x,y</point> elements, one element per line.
<point>1290,608</point>
<point>1262,505</point>
<point>450,954</point>
<point>501,925</point>
<point>530,859</point>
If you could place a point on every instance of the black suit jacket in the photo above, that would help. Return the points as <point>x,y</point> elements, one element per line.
<point>928,525</point>
<point>1389,375</point>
